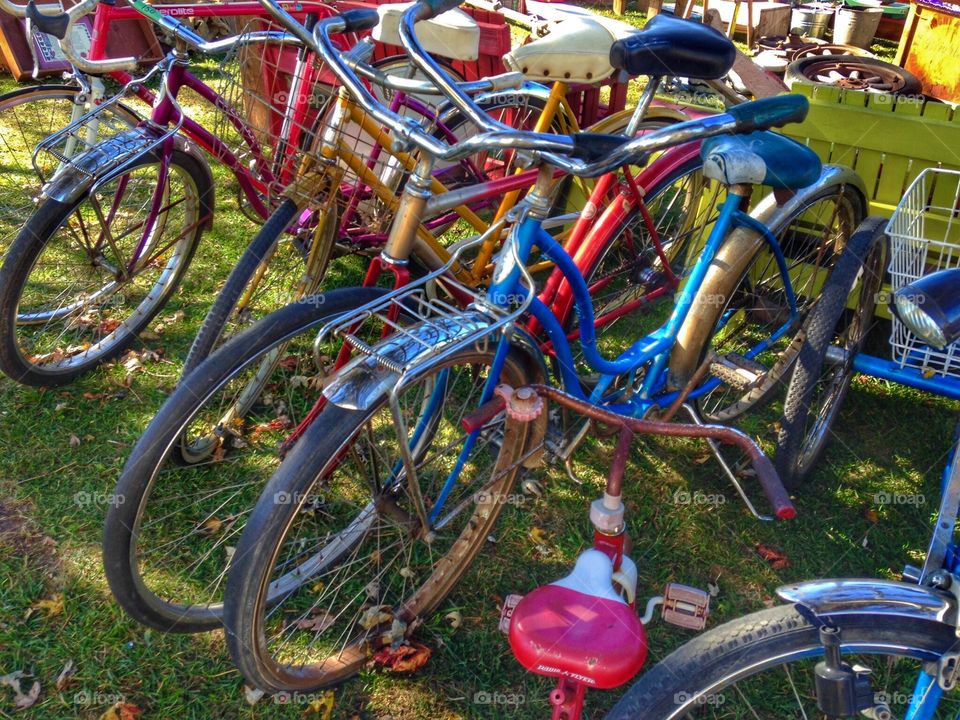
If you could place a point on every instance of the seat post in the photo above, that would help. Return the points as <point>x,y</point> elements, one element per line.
<point>567,699</point>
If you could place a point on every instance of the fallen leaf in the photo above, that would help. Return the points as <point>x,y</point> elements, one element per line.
<point>121,711</point>
<point>24,700</point>
<point>777,559</point>
<point>211,526</point>
<point>538,536</point>
<point>403,659</point>
<point>95,396</point>
<point>321,707</point>
<point>871,515</point>
<point>290,362</point>
<point>65,678</point>
<point>74,441</point>
<point>455,619</point>
<point>107,326</point>
<point>318,623</point>
<point>148,336</point>
<point>375,616</point>
<point>51,606</point>
<point>252,695</point>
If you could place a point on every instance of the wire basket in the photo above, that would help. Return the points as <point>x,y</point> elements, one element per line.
<point>924,234</point>
<point>101,140</point>
<point>279,112</point>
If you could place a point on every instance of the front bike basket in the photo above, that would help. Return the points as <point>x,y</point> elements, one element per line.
<point>103,139</point>
<point>924,234</point>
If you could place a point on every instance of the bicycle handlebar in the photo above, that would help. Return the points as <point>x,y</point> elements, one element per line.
<point>577,155</point>
<point>767,475</point>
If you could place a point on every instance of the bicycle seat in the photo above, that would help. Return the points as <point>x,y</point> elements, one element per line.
<point>579,628</point>
<point>577,50</point>
<point>763,158</point>
<point>671,46</point>
<point>453,34</point>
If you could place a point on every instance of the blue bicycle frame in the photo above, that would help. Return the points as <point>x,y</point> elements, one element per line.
<point>652,350</point>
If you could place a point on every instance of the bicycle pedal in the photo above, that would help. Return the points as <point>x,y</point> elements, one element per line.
<point>738,371</point>
<point>685,606</point>
<point>506,613</point>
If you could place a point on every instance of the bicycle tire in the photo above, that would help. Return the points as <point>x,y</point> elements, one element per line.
<point>695,680</point>
<point>27,116</point>
<point>861,265</point>
<point>112,336</point>
<point>158,492</point>
<point>330,441</point>
<point>733,278</point>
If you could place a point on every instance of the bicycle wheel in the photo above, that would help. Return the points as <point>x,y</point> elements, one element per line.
<point>629,280</point>
<point>819,383</point>
<point>83,278</point>
<point>168,538</point>
<point>741,312</point>
<point>334,562</point>
<point>27,116</point>
<point>272,271</point>
<point>761,666</point>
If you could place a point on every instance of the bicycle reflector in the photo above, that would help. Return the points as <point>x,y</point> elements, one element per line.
<point>930,307</point>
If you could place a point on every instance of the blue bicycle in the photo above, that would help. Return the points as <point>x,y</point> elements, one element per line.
<point>383,502</point>
<point>845,648</point>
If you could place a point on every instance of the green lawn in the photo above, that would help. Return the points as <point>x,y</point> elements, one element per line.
<point>62,450</point>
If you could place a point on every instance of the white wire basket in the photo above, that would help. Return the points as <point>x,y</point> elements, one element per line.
<point>924,234</point>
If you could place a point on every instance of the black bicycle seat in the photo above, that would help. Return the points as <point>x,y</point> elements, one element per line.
<point>674,47</point>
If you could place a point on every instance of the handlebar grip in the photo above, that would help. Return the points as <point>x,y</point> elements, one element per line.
<point>359,20</point>
<point>770,112</point>
<point>773,488</point>
<point>432,8</point>
<point>591,147</point>
<point>55,25</point>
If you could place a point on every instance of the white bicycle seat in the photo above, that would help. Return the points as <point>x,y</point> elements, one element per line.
<point>452,34</point>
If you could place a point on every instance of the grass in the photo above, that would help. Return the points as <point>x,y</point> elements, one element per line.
<point>54,490</point>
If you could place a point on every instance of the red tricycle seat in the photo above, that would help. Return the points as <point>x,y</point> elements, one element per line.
<point>579,628</point>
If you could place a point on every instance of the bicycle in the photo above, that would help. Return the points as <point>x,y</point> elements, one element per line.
<point>392,542</point>
<point>248,294</point>
<point>54,334</point>
<point>833,632</point>
<point>583,629</point>
<point>192,478</point>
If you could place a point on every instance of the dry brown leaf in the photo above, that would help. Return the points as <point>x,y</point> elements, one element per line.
<point>65,678</point>
<point>107,326</point>
<point>375,616</point>
<point>317,623</point>
<point>74,441</point>
<point>51,606</point>
<point>121,711</point>
<point>777,559</point>
<point>403,659</point>
<point>211,526</point>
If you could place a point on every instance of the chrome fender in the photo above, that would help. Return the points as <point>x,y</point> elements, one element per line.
<point>773,215</point>
<point>365,379</point>
<point>97,165</point>
<point>836,598</point>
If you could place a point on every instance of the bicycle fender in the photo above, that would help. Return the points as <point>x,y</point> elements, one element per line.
<point>93,167</point>
<point>366,379</point>
<point>773,214</point>
<point>833,599</point>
